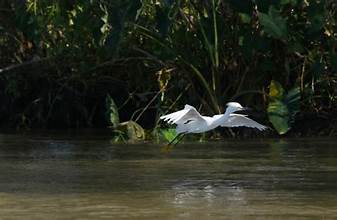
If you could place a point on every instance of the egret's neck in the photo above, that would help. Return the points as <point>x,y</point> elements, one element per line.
<point>221,119</point>
<point>228,111</point>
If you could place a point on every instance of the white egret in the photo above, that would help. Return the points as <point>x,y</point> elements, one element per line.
<point>189,120</point>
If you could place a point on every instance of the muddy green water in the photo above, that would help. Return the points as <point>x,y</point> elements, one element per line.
<point>88,177</point>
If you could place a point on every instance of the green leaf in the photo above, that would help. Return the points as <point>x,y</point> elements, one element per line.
<point>273,23</point>
<point>283,107</point>
<point>276,90</point>
<point>279,116</point>
<point>133,130</point>
<point>169,134</point>
<point>245,18</point>
<point>111,111</point>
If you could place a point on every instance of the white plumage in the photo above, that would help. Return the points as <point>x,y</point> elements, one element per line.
<point>189,120</point>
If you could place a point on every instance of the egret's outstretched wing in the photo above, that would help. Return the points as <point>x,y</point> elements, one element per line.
<point>182,116</point>
<point>237,120</point>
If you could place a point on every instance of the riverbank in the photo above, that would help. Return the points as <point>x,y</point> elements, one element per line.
<point>96,64</point>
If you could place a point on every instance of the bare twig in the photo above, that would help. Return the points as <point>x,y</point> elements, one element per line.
<point>28,64</point>
<point>148,104</point>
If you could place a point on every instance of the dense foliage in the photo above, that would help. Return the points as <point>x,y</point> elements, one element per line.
<point>63,63</point>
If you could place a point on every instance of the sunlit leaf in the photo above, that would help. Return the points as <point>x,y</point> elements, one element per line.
<point>169,134</point>
<point>164,76</point>
<point>279,116</point>
<point>276,91</point>
<point>111,111</point>
<point>283,107</point>
<point>133,130</point>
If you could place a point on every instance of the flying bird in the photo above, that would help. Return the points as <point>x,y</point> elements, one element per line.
<point>189,120</point>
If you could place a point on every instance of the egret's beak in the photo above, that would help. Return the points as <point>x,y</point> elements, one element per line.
<point>243,109</point>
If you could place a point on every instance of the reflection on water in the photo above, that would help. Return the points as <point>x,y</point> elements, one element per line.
<point>90,178</point>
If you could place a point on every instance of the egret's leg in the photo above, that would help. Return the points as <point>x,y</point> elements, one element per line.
<point>181,136</point>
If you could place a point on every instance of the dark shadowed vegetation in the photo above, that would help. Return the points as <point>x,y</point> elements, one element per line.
<point>123,63</point>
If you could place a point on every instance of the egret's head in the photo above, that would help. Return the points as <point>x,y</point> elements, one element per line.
<point>234,106</point>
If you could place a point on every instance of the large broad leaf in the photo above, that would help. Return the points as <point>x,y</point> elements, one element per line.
<point>279,116</point>
<point>133,130</point>
<point>283,106</point>
<point>276,90</point>
<point>129,130</point>
<point>274,24</point>
<point>169,134</point>
<point>111,112</point>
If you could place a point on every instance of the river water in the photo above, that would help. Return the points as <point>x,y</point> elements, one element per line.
<point>89,177</point>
